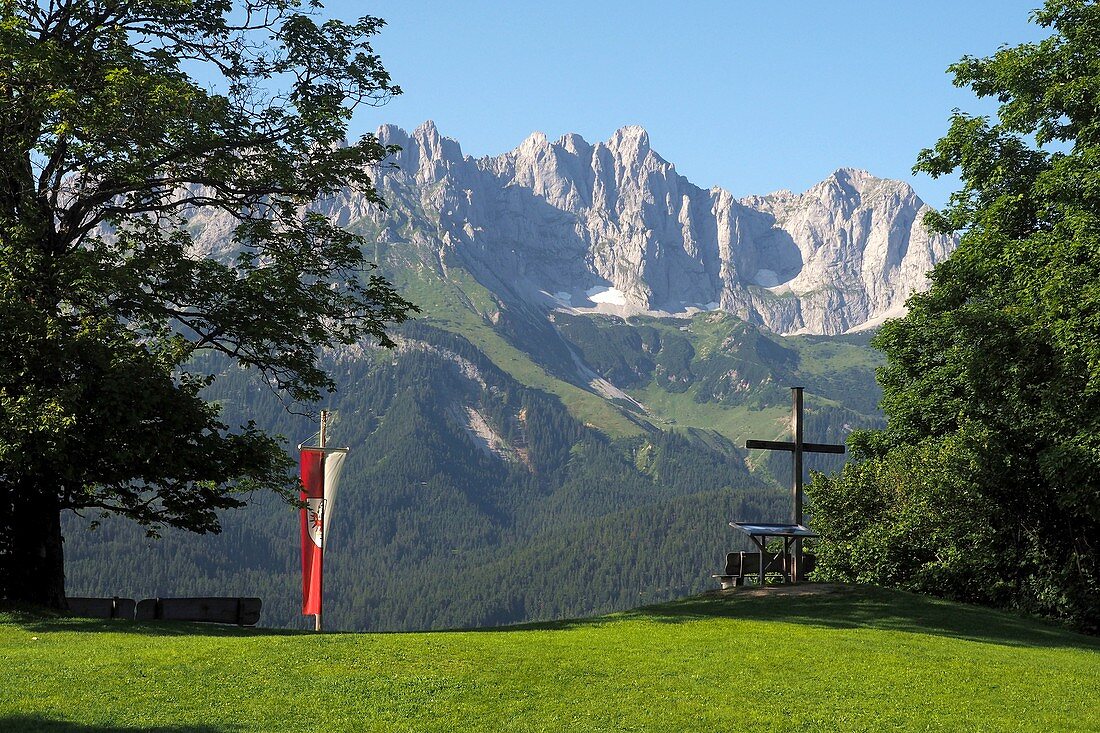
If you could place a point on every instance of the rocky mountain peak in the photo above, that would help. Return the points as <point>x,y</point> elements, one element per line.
<point>534,142</point>
<point>573,143</point>
<point>612,227</point>
<point>630,139</point>
<point>426,129</point>
<point>852,177</point>
<point>434,146</point>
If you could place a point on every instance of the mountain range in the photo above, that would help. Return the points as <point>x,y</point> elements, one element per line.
<point>561,432</point>
<point>612,227</point>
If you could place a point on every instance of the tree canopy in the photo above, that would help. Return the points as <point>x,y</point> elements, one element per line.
<point>985,485</point>
<point>124,124</point>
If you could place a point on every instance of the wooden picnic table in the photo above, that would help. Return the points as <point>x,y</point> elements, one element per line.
<point>759,532</point>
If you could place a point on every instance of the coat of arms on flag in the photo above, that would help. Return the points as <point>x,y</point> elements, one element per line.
<point>315,513</point>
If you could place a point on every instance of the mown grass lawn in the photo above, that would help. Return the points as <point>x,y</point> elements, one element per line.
<point>857,659</point>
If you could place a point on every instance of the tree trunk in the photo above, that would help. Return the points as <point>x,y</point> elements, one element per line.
<point>32,560</point>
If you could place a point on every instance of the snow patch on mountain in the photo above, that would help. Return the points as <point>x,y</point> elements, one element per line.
<point>614,296</point>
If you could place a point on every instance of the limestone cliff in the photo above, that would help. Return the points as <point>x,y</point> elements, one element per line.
<point>613,227</point>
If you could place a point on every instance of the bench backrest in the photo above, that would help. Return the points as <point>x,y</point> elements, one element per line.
<point>102,607</point>
<point>748,563</point>
<point>240,611</point>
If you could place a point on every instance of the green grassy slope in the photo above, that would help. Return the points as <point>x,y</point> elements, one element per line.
<point>858,659</point>
<point>460,304</point>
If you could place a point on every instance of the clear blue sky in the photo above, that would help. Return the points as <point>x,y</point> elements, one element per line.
<point>750,95</point>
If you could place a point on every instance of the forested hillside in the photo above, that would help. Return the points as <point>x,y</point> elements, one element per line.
<point>471,499</point>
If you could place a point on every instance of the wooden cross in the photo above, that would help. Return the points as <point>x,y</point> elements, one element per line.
<point>796,449</point>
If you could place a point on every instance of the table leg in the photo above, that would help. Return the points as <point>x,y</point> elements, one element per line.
<point>787,559</point>
<point>763,558</point>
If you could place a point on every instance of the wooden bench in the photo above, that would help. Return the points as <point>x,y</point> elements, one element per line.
<point>240,611</point>
<point>740,565</point>
<point>102,607</point>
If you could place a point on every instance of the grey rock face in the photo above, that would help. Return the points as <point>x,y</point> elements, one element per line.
<point>613,227</point>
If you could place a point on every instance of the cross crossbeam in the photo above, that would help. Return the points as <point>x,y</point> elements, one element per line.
<point>806,447</point>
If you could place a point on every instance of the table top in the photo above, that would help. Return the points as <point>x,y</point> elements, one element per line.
<point>763,529</point>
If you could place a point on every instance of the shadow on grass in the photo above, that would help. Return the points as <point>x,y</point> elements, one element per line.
<point>853,608</point>
<point>45,620</point>
<point>35,723</point>
<point>846,607</point>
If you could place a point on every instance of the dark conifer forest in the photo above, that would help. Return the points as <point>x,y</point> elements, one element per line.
<point>432,528</point>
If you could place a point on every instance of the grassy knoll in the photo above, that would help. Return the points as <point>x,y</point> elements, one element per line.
<point>852,660</point>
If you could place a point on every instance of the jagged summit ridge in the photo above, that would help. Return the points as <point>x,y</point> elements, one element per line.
<point>612,226</point>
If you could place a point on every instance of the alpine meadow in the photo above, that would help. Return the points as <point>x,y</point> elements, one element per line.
<point>319,412</point>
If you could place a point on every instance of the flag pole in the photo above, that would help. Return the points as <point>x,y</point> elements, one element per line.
<point>324,512</point>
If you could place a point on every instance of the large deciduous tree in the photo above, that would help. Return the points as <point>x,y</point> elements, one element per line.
<point>121,122</point>
<point>985,485</point>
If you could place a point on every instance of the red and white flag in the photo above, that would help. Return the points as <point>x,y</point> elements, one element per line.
<point>320,480</point>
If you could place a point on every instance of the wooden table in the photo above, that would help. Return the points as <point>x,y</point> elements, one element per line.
<point>759,532</point>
